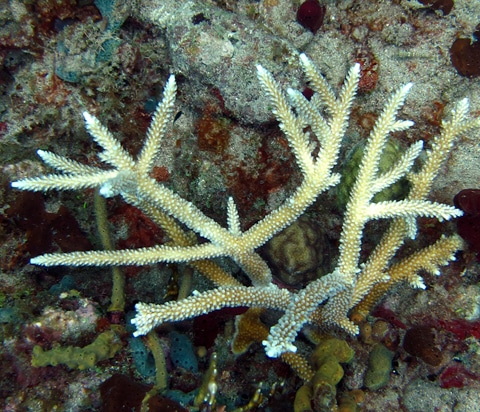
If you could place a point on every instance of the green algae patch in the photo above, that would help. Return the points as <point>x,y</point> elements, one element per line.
<point>331,348</point>
<point>321,391</point>
<point>105,346</point>
<point>379,367</point>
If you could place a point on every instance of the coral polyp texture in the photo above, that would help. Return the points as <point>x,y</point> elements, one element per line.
<point>314,129</point>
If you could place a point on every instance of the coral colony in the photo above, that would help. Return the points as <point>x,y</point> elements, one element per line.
<point>352,287</point>
<point>297,293</point>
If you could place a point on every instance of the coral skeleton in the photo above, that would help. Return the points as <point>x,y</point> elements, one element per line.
<point>326,301</point>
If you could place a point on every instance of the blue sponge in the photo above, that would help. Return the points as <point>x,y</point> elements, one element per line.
<point>182,353</point>
<point>142,357</point>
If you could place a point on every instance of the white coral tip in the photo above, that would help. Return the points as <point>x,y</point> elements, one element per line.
<point>274,350</point>
<point>87,116</point>
<point>407,88</point>
<point>261,71</point>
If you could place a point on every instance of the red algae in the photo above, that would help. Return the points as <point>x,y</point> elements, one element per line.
<point>456,376</point>
<point>311,14</point>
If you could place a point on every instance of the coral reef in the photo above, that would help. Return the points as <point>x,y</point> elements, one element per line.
<point>60,58</point>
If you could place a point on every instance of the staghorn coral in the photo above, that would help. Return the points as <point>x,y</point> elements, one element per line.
<point>349,283</point>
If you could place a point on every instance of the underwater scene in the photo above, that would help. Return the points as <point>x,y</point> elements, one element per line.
<point>240,205</point>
